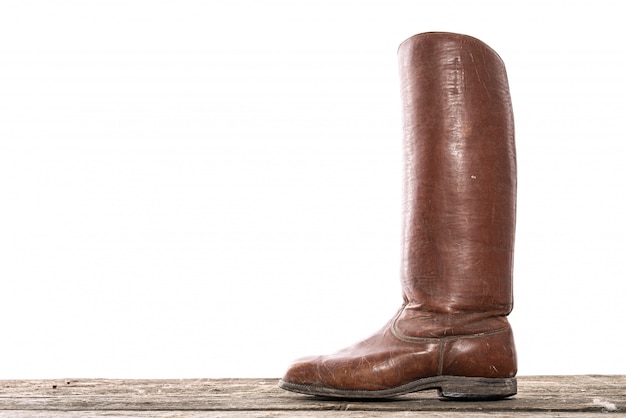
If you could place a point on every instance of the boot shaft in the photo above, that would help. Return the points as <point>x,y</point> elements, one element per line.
<point>460,176</point>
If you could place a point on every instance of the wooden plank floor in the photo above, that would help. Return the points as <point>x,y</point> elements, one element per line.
<point>554,396</point>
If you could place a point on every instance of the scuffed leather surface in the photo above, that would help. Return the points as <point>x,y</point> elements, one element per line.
<point>458,232</point>
<point>385,361</point>
<point>492,355</point>
<point>379,362</point>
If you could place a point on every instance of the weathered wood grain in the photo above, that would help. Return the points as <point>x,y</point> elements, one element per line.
<point>538,395</point>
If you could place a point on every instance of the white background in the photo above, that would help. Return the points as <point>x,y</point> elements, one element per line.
<point>212,189</point>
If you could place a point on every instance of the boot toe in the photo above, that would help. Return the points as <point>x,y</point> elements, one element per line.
<point>304,372</point>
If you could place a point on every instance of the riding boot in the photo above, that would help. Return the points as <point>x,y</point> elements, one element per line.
<point>451,333</point>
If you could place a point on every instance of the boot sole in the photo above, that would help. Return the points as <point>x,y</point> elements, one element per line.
<point>449,387</point>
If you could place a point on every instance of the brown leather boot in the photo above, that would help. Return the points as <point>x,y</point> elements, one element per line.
<point>451,333</point>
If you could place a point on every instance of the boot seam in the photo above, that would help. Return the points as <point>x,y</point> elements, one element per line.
<point>402,337</point>
<point>396,333</point>
<point>442,350</point>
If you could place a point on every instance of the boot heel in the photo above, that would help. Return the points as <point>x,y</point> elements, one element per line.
<point>477,388</point>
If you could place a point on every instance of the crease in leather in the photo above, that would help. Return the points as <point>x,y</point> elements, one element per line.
<point>486,330</point>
